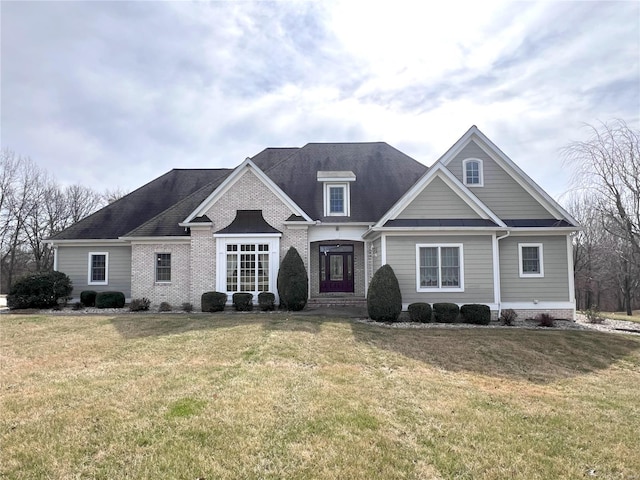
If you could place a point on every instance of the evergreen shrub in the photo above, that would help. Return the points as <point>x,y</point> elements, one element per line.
<point>384,300</point>
<point>420,312</point>
<point>476,314</point>
<point>293,282</point>
<point>110,300</point>
<point>39,290</point>
<point>266,301</point>
<point>213,301</point>
<point>445,312</point>
<point>88,298</point>
<point>243,301</point>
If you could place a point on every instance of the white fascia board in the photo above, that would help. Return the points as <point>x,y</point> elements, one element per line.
<point>247,235</point>
<point>232,179</point>
<point>145,240</point>
<point>438,170</point>
<point>516,232</point>
<point>195,224</point>
<point>511,168</point>
<point>86,242</point>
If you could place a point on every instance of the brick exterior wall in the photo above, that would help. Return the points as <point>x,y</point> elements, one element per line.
<point>143,274</point>
<point>203,263</point>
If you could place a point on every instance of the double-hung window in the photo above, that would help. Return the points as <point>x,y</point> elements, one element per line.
<point>472,172</point>
<point>440,267</point>
<point>98,268</point>
<point>530,260</point>
<point>163,267</point>
<point>336,199</point>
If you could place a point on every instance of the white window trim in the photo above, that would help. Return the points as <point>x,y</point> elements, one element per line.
<point>155,266</point>
<point>540,259</point>
<point>106,269</point>
<point>439,289</point>
<point>347,199</point>
<point>480,172</point>
<point>273,240</point>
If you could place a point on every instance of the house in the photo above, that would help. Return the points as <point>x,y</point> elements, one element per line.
<point>473,228</point>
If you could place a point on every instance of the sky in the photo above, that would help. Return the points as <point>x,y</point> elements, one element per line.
<point>113,94</point>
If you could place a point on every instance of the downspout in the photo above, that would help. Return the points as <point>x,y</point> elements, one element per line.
<point>497,271</point>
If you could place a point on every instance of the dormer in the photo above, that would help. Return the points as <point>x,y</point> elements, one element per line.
<point>336,192</point>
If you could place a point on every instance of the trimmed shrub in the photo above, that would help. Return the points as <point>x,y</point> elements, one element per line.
<point>545,320</point>
<point>243,301</point>
<point>293,282</point>
<point>476,314</point>
<point>88,298</point>
<point>164,307</point>
<point>187,307</point>
<point>267,301</point>
<point>508,317</point>
<point>213,301</point>
<point>40,290</point>
<point>445,312</point>
<point>110,300</point>
<point>384,300</point>
<point>419,312</point>
<point>139,304</point>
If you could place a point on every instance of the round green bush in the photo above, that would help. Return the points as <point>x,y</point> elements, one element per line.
<point>384,300</point>
<point>476,314</point>
<point>445,312</point>
<point>266,301</point>
<point>213,301</point>
<point>110,300</point>
<point>293,282</point>
<point>243,301</point>
<point>419,312</point>
<point>88,298</point>
<point>40,290</point>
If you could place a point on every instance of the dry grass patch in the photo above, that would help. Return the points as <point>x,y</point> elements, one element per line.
<point>623,316</point>
<point>277,396</point>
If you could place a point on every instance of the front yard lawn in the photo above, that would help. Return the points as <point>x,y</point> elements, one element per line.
<point>283,396</point>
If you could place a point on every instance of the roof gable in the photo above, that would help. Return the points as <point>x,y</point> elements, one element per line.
<point>507,176</point>
<point>231,180</point>
<point>438,171</point>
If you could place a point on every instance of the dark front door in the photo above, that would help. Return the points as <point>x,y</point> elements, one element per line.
<point>336,268</point>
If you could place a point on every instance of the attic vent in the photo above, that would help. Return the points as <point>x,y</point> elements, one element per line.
<point>336,176</point>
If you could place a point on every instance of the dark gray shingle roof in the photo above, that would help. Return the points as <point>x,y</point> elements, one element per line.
<point>173,192</point>
<point>383,175</point>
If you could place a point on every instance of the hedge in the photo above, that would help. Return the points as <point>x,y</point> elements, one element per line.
<point>40,290</point>
<point>384,300</point>
<point>420,312</point>
<point>243,301</point>
<point>445,312</point>
<point>110,300</point>
<point>213,301</point>
<point>476,314</point>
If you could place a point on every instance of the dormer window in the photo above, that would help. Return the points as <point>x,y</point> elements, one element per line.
<point>337,199</point>
<point>472,172</point>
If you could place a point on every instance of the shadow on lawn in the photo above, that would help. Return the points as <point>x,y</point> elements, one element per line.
<point>537,356</point>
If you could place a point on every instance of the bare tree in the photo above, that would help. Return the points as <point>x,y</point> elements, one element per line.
<point>112,194</point>
<point>33,207</point>
<point>606,168</point>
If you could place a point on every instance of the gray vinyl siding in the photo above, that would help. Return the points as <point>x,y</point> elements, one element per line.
<point>501,193</point>
<point>74,261</point>
<point>377,256</point>
<point>478,268</point>
<point>553,287</point>
<point>437,200</point>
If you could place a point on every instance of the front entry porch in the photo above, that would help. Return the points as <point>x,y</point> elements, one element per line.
<point>337,270</point>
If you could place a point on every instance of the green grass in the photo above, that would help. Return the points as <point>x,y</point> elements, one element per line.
<point>276,396</point>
